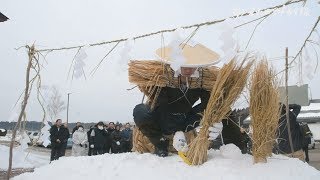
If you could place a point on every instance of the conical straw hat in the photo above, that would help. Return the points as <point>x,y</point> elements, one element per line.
<point>195,56</point>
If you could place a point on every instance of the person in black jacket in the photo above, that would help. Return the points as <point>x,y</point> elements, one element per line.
<point>296,134</point>
<point>97,138</point>
<point>59,135</point>
<point>108,144</point>
<point>174,111</point>
<point>89,140</point>
<point>116,140</point>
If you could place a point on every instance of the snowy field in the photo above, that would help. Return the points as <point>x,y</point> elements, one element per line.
<point>228,163</point>
<point>22,158</point>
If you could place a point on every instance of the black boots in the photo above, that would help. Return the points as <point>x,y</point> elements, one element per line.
<point>161,149</point>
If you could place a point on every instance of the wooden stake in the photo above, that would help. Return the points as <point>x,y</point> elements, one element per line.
<point>287,105</point>
<point>31,52</point>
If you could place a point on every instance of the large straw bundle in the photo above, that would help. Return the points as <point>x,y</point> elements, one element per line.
<point>155,73</point>
<point>264,111</point>
<point>230,83</point>
<point>151,76</point>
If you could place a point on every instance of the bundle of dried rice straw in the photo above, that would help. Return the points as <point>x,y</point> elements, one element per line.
<point>229,85</point>
<point>264,110</point>
<point>151,76</point>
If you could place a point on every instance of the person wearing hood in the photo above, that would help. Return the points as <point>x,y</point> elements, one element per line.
<point>97,139</point>
<point>80,142</point>
<point>116,140</point>
<point>296,134</point>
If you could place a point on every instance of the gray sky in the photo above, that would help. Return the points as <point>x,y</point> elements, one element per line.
<point>103,97</point>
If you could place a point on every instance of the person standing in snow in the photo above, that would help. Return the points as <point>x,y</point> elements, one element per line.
<point>89,140</point>
<point>59,135</point>
<point>80,140</point>
<point>126,135</point>
<point>108,143</point>
<point>97,137</point>
<point>296,134</point>
<point>116,140</point>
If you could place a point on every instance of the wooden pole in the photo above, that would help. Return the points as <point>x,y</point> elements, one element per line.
<point>68,108</point>
<point>31,52</point>
<point>287,105</point>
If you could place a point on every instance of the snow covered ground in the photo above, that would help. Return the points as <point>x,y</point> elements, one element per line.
<point>226,164</point>
<point>315,129</point>
<point>22,158</point>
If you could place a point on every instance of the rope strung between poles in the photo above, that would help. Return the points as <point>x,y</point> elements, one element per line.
<point>207,23</point>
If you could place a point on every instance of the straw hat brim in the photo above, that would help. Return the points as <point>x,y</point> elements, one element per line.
<point>195,56</point>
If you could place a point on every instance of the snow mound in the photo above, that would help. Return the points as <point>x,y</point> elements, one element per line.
<point>230,151</point>
<point>21,158</point>
<point>136,166</point>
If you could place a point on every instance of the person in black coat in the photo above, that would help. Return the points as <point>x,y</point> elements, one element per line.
<point>59,135</point>
<point>174,111</point>
<point>231,131</point>
<point>97,138</point>
<point>108,144</point>
<point>116,140</point>
<point>296,134</point>
<point>89,140</point>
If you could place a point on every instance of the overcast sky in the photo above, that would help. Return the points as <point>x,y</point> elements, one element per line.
<point>104,97</point>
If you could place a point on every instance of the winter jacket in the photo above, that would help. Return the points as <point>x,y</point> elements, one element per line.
<point>98,138</point>
<point>174,109</point>
<point>116,146</point>
<point>126,134</point>
<point>61,133</point>
<point>231,131</point>
<point>116,136</point>
<point>80,143</point>
<point>296,134</point>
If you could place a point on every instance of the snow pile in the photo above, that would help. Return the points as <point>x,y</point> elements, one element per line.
<point>315,129</point>
<point>21,158</point>
<point>135,166</point>
<point>312,106</point>
<point>230,151</point>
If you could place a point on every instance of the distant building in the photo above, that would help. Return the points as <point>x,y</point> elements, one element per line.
<point>296,94</point>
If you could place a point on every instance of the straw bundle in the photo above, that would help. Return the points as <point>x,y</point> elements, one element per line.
<point>264,111</point>
<point>230,83</point>
<point>151,76</point>
<point>154,73</point>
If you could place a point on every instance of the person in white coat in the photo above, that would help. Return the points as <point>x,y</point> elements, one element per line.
<point>80,142</point>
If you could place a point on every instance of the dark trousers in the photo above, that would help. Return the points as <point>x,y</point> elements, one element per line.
<point>115,148</point>
<point>57,151</point>
<point>306,151</point>
<point>107,148</point>
<point>155,124</point>
<point>90,151</point>
<point>97,151</point>
<point>126,146</point>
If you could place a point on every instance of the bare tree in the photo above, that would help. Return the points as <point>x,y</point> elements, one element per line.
<point>55,103</point>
